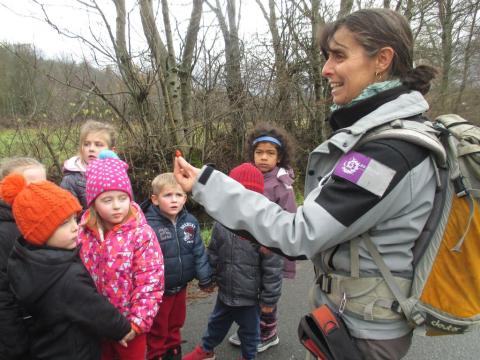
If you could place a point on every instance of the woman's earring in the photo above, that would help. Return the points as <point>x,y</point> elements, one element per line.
<point>378,76</point>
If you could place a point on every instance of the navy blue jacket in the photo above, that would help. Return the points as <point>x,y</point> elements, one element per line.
<point>183,250</point>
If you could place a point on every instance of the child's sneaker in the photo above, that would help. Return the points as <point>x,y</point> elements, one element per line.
<point>265,344</point>
<point>199,354</point>
<point>234,340</point>
<point>262,346</point>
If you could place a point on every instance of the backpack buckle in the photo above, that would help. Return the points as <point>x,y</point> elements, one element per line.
<point>325,283</point>
<point>417,318</point>
<point>396,307</point>
<point>459,187</point>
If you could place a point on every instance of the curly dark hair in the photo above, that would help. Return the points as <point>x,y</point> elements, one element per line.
<point>285,152</point>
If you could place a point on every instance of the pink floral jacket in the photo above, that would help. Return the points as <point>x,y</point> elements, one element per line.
<point>127,266</point>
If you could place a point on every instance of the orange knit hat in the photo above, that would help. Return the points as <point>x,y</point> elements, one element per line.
<point>39,208</point>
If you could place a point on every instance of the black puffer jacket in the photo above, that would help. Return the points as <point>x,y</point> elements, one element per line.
<point>69,316</point>
<point>13,334</point>
<point>244,274</point>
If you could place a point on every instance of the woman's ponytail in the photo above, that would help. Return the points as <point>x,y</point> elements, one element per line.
<point>419,78</point>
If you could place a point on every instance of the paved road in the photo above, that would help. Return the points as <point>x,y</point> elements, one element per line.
<point>293,304</point>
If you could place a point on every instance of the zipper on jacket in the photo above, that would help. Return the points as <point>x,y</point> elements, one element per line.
<point>179,252</point>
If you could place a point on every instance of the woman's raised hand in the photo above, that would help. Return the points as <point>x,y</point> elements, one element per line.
<point>185,174</point>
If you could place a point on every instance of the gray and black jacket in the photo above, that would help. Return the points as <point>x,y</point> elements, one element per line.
<point>245,275</point>
<point>391,201</point>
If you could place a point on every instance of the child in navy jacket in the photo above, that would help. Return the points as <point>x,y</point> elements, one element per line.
<point>185,258</point>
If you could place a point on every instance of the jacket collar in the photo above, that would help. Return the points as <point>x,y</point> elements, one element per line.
<point>387,106</point>
<point>155,211</point>
<point>283,175</point>
<point>272,173</point>
<point>347,116</point>
<point>74,164</point>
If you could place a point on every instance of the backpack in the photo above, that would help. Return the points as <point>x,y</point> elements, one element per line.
<point>445,294</point>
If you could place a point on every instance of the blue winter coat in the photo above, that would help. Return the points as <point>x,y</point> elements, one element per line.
<point>183,250</point>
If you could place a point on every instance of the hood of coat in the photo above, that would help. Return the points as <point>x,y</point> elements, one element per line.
<point>6,212</point>
<point>74,164</point>
<point>32,270</point>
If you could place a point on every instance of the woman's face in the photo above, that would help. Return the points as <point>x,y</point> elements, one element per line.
<point>348,69</point>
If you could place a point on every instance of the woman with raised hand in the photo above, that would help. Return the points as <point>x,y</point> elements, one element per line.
<point>383,188</point>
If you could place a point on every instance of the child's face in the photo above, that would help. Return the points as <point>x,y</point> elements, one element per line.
<point>65,236</point>
<point>170,201</point>
<point>92,144</point>
<point>266,157</point>
<point>113,207</point>
<point>33,173</point>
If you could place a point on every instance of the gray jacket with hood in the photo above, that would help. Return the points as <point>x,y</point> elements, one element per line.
<point>391,202</point>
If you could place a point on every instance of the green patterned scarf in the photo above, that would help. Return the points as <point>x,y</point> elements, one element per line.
<point>369,91</point>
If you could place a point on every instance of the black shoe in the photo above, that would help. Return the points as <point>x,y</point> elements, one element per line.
<point>173,353</point>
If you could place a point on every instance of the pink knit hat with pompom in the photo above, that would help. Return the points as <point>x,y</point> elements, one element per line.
<point>106,174</point>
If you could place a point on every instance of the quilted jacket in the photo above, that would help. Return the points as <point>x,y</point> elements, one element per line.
<point>126,266</point>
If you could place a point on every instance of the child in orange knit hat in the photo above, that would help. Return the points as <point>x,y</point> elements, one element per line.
<point>49,279</point>
<point>14,343</point>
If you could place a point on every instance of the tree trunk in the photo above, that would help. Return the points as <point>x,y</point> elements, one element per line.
<point>233,75</point>
<point>283,81</point>
<point>446,23</point>
<point>467,56</point>
<point>345,8</point>
<point>320,87</point>
<point>187,61</point>
<point>130,76</point>
<point>166,69</point>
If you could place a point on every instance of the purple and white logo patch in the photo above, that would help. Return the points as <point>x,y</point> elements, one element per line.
<point>364,172</point>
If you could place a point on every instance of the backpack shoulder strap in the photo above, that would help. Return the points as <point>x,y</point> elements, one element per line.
<point>420,133</point>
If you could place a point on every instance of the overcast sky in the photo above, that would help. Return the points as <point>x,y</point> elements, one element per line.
<point>22,21</point>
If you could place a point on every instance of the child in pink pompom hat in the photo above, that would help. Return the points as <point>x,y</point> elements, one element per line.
<point>121,251</point>
<point>107,173</point>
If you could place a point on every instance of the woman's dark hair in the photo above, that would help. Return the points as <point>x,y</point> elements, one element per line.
<point>285,152</point>
<point>377,28</point>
